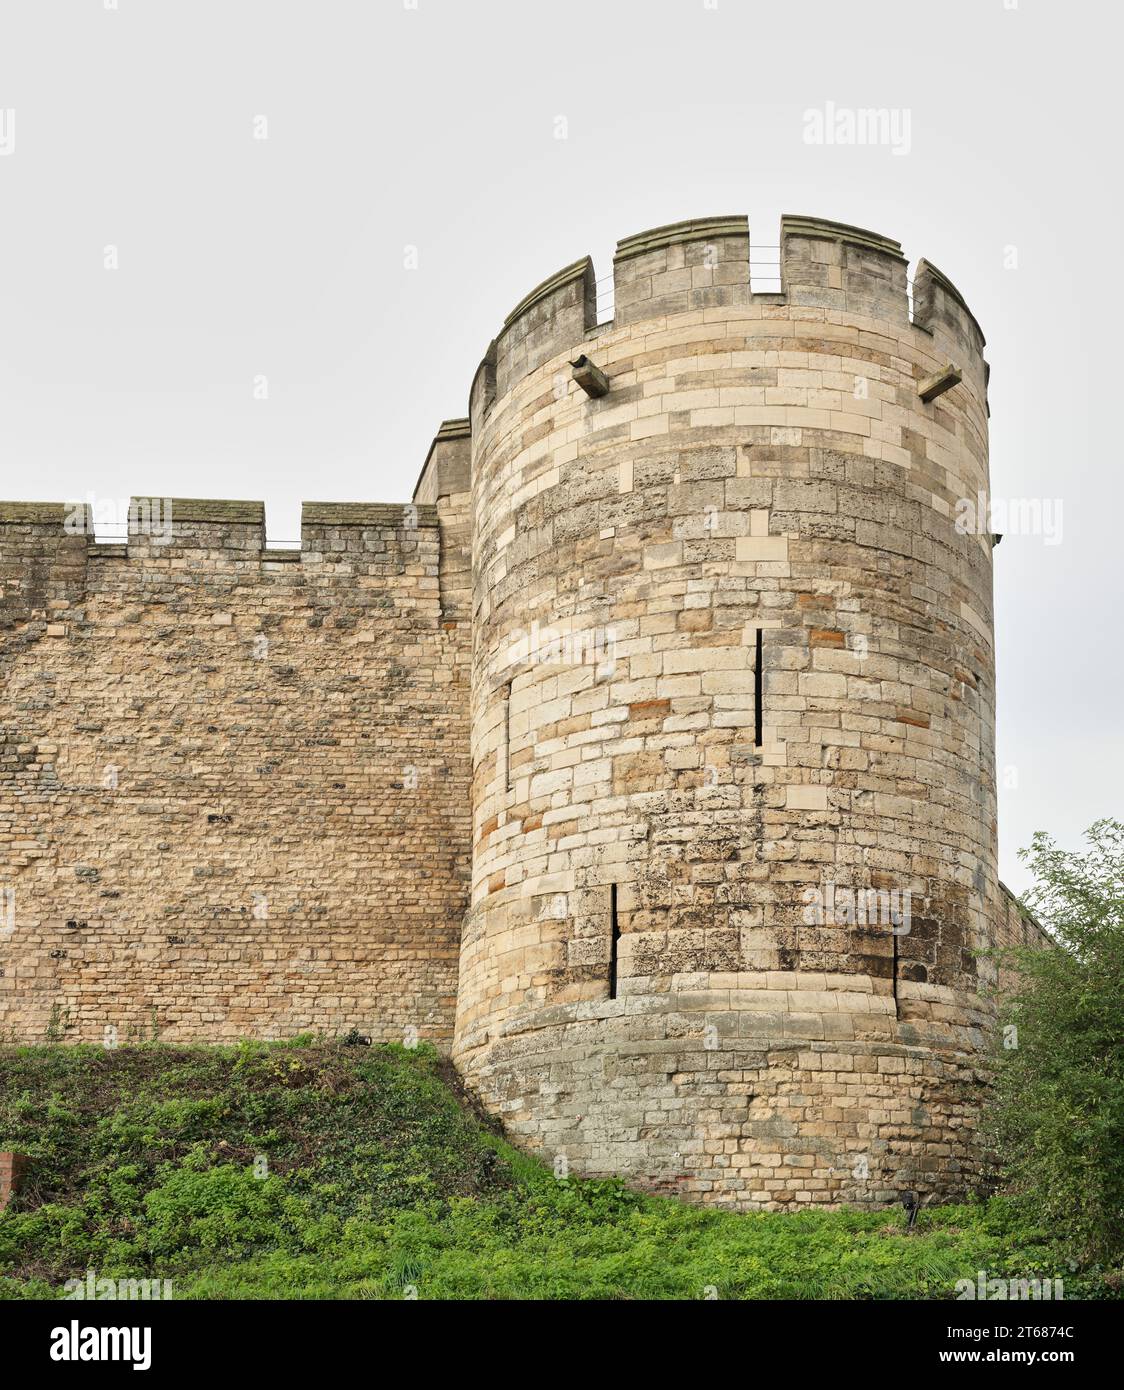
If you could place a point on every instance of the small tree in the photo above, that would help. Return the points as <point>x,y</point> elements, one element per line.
<point>1056,1123</point>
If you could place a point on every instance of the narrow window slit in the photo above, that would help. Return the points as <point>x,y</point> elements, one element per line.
<point>758,702</point>
<point>894,937</point>
<point>614,940</point>
<point>507,735</point>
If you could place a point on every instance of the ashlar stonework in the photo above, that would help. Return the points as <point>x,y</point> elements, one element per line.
<point>645,760</point>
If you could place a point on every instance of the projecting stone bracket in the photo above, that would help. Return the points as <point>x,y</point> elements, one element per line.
<point>940,382</point>
<point>590,377</point>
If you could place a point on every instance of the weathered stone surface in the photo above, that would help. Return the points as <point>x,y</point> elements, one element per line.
<point>782,477</point>
<point>729,699</point>
<point>234,788</point>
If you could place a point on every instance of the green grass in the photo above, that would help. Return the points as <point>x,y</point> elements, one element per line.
<point>381,1183</point>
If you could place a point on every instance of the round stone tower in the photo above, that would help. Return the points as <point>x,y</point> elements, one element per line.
<point>734,841</point>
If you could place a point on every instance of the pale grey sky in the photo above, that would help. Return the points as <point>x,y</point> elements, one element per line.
<point>434,127</point>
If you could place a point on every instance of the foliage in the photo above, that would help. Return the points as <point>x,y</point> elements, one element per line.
<point>1057,1122</point>
<point>381,1183</point>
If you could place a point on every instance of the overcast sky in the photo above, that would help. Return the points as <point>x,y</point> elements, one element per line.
<point>435,126</point>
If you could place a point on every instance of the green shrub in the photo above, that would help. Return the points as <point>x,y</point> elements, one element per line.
<point>1057,1121</point>
<point>218,1209</point>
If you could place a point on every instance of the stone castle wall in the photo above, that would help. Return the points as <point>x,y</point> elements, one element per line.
<point>656,704</point>
<point>645,987</point>
<point>234,781</point>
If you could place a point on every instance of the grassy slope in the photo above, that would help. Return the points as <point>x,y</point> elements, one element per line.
<point>381,1182</point>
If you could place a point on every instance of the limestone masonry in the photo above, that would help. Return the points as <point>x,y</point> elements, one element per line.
<point>645,760</point>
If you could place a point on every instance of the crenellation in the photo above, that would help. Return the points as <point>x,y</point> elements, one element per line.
<point>834,266</point>
<point>556,314</point>
<point>482,392</point>
<point>44,554</point>
<point>686,265</point>
<point>938,304</point>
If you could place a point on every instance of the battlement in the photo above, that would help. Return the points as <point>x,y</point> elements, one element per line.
<point>47,548</point>
<point>704,264</point>
<point>150,524</point>
<point>180,521</point>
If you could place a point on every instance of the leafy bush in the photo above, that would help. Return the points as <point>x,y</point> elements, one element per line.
<point>1057,1122</point>
<point>221,1209</point>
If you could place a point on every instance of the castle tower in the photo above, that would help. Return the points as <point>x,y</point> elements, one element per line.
<point>734,833</point>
